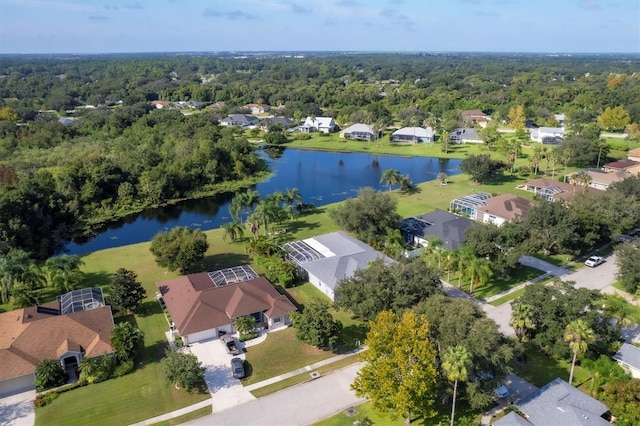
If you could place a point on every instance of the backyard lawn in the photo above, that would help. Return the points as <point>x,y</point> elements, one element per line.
<point>541,369</point>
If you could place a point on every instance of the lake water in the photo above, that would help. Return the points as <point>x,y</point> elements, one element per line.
<point>321,177</point>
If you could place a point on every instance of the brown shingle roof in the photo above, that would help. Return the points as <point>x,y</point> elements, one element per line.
<point>621,164</point>
<point>28,337</point>
<point>507,206</point>
<point>197,306</point>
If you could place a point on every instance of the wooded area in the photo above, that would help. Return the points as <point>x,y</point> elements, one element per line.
<point>118,154</point>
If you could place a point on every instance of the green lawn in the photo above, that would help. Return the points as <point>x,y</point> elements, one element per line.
<point>280,353</point>
<point>540,369</point>
<point>498,285</point>
<point>442,417</point>
<point>508,298</point>
<point>304,377</point>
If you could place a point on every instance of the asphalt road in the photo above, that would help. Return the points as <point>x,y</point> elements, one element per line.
<point>597,278</point>
<point>298,405</point>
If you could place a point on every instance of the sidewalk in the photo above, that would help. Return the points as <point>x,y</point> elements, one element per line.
<point>267,382</point>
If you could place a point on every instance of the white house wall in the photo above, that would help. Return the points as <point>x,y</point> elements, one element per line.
<point>321,286</point>
<point>200,335</point>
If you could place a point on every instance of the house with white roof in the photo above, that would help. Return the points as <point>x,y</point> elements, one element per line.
<point>361,132</point>
<point>413,135</point>
<point>327,259</point>
<point>318,124</point>
<point>548,135</point>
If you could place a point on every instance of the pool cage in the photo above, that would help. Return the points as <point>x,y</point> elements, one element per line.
<point>469,204</point>
<point>549,193</point>
<point>232,275</point>
<point>81,300</point>
<point>301,252</point>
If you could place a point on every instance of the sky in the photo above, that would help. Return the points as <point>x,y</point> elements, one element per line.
<point>110,26</point>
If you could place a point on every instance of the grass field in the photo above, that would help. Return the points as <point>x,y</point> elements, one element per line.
<point>541,369</point>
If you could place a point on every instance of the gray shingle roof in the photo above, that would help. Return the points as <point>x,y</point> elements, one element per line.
<point>448,227</point>
<point>512,419</point>
<point>559,403</point>
<point>628,355</point>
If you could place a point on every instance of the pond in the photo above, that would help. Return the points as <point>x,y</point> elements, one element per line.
<point>321,177</point>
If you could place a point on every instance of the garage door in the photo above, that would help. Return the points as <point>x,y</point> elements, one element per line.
<point>17,385</point>
<point>202,335</point>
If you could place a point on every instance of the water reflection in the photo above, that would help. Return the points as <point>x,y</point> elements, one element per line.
<point>321,177</point>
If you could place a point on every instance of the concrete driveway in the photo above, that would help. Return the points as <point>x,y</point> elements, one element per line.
<point>541,265</point>
<point>595,278</point>
<point>303,404</point>
<point>226,392</point>
<point>18,410</point>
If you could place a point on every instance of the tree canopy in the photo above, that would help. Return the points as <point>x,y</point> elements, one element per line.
<point>368,215</point>
<point>179,248</point>
<point>400,376</point>
<point>384,286</point>
<point>183,370</point>
<point>482,167</point>
<point>628,273</point>
<point>315,325</point>
<point>126,291</point>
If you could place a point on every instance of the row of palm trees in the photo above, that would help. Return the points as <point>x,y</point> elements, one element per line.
<point>21,277</point>
<point>249,211</point>
<point>462,261</point>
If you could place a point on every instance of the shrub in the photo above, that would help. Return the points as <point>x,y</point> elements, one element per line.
<point>302,136</point>
<point>247,336</point>
<point>45,398</point>
<point>124,368</point>
<point>178,341</point>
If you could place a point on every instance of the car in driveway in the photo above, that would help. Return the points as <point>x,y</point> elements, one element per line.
<point>230,344</point>
<point>501,391</point>
<point>237,366</point>
<point>594,261</point>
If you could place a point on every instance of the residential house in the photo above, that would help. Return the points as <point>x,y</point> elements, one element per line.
<point>447,227</point>
<point>413,135</point>
<point>161,104</point>
<point>602,180</point>
<point>67,121</point>
<point>242,120</point>
<point>629,358</point>
<point>361,132</point>
<point>474,116</point>
<point>634,154</point>
<point>482,207</point>
<point>557,403</point>
<point>78,325</point>
<point>560,118</point>
<point>552,190</point>
<point>318,124</point>
<point>216,105</point>
<point>625,165</point>
<point>327,259</point>
<point>257,108</point>
<point>284,122</point>
<point>204,305</point>
<point>548,135</point>
<point>465,135</point>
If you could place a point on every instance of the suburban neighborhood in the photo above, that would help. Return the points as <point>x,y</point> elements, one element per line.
<point>483,270</point>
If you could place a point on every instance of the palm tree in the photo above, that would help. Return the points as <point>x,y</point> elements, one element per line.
<point>64,271</point>
<point>619,308</point>
<point>456,363</point>
<point>430,248</point>
<point>253,223</point>
<point>245,324</point>
<point>390,177</point>
<point>293,196</point>
<point>567,156</point>
<point>124,339</point>
<point>24,297</point>
<point>11,267</point>
<point>440,253</point>
<point>233,230</point>
<point>522,320</point>
<point>32,276</point>
<point>394,242</point>
<point>579,336</point>
<point>535,159</point>
<point>451,262</point>
<point>442,178</point>
<point>479,273</point>
<point>553,157</point>
<point>583,178</point>
<point>235,208</point>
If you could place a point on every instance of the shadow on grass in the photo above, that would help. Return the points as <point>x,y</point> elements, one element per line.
<point>224,260</point>
<point>94,279</point>
<point>150,307</point>
<point>353,336</point>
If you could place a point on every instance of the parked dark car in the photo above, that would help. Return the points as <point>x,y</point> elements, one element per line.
<point>237,366</point>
